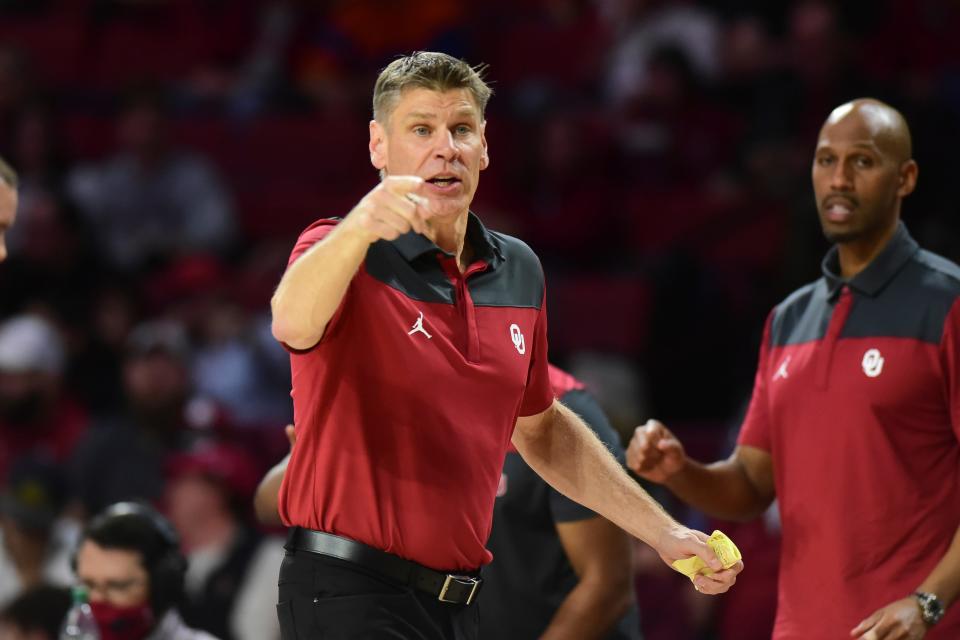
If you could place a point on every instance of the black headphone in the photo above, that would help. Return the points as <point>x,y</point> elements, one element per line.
<point>137,527</point>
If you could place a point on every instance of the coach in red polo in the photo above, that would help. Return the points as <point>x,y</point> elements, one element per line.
<point>418,343</point>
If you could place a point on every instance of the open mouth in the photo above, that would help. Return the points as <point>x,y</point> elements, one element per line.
<point>838,209</point>
<point>443,181</point>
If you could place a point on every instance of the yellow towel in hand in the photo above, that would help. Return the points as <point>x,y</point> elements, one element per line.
<point>724,548</point>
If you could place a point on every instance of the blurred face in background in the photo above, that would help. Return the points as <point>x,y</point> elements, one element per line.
<point>191,499</point>
<point>142,131</point>
<point>155,382</point>
<point>114,576</point>
<point>8,213</point>
<point>26,397</point>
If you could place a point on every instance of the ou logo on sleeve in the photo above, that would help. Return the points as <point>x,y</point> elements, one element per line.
<point>872,363</point>
<point>518,340</point>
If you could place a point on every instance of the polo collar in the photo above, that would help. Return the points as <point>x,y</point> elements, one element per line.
<point>878,273</point>
<point>412,245</point>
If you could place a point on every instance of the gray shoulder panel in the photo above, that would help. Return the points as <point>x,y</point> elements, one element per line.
<point>914,305</point>
<point>517,281</point>
<point>802,317</point>
<point>423,280</point>
<point>948,270</point>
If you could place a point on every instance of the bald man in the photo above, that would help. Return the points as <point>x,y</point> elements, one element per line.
<point>855,416</point>
<point>8,204</point>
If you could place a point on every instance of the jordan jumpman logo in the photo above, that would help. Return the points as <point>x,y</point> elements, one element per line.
<point>418,326</point>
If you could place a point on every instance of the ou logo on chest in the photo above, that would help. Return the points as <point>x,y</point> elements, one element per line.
<point>872,363</point>
<point>518,340</point>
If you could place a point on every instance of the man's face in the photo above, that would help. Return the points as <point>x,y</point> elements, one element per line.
<point>857,181</point>
<point>438,136</point>
<point>8,213</point>
<point>114,576</point>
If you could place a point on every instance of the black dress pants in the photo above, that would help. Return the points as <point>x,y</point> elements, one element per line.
<point>323,598</point>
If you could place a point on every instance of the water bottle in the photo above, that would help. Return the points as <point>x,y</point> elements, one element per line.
<point>79,623</point>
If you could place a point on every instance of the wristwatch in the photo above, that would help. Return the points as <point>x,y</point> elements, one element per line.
<point>931,609</point>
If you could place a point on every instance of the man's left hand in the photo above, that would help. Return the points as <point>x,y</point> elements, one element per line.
<point>900,620</point>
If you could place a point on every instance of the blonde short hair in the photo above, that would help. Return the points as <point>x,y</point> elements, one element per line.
<point>427,70</point>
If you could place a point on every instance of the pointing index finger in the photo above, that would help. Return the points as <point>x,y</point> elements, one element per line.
<point>423,210</point>
<point>402,185</point>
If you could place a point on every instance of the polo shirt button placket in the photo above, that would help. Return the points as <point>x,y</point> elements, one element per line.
<point>837,320</point>
<point>465,303</point>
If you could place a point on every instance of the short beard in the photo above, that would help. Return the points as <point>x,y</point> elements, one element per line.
<point>874,231</point>
<point>842,237</point>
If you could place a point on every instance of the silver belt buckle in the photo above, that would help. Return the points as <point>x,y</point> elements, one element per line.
<point>465,581</point>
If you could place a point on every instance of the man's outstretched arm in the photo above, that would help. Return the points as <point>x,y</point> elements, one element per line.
<point>563,450</point>
<point>314,285</point>
<point>739,488</point>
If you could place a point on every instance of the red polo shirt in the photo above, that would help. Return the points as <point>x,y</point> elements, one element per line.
<point>404,410</point>
<point>857,399</point>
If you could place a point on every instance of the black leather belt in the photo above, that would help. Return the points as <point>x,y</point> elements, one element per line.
<point>446,587</point>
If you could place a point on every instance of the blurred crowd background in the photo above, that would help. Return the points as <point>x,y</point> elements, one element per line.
<point>655,154</point>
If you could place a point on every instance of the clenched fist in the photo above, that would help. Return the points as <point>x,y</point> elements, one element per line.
<point>391,209</point>
<point>655,453</point>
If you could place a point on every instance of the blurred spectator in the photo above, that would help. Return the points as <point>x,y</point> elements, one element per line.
<point>53,267</point>
<point>99,343</point>
<point>230,367</point>
<point>679,24</point>
<point>755,81</point>
<point>565,174</point>
<point>669,133</point>
<point>151,201</point>
<point>231,362</point>
<point>32,545</point>
<point>130,562</point>
<point>231,582</point>
<point>41,163</point>
<point>35,412</point>
<point>36,614</point>
<point>819,52</point>
<point>260,76</point>
<point>122,456</point>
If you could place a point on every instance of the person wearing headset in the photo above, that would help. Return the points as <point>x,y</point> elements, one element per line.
<point>130,563</point>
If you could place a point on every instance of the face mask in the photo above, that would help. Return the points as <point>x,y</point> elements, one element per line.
<point>122,623</point>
